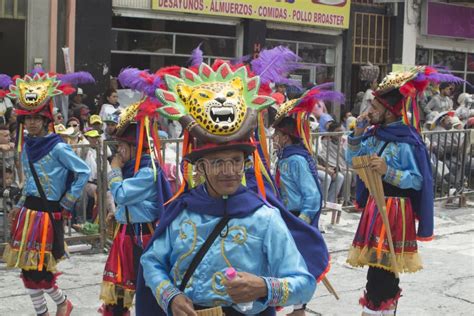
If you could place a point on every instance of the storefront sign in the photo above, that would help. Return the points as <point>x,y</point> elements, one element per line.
<point>329,13</point>
<point>449,20</point>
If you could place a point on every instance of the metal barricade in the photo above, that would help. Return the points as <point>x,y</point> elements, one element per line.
<point>451,155</point>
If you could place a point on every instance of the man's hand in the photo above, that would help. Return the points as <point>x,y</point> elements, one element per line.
<point>13,214</point>
<point>361,124</point>
<point>117,162</point>
<point>246,288</point>
<point>378,164</point>
<point>332,172</point>
<point>181,305</point>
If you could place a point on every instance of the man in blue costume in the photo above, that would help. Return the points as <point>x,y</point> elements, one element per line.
<point>55,178</point>
<point>399,155</point>
<point>297,176</point>
<point>222,224</point>
<point>140,190</point>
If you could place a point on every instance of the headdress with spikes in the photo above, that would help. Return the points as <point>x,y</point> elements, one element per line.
<point>300,109</point>
<point>34,92</point>
<point>398,91</point>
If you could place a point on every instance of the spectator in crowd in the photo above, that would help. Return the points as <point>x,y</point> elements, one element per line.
<point>84,115</point>
<point>11,117</point>
<point>441,102</point>
<point>76,138</point>
<point>368,95</point>
<point>7,152</point>
<point>5,104</point>
<point>95,122</point>
<point>464,110</point>
<point>331,156</point>
<point>111,122</point>
<point>93,137</point>
<point>324,121</point>
<point>58,118</point>
<point>111,104</point>
<point>447,147</point>
<point>77,102</point>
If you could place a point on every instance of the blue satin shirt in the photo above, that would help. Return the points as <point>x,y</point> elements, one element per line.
<point>298,188</point>
<point>53,170</point>
<point>402,169</point>
<point>260,244</point>
<point>139,194</point>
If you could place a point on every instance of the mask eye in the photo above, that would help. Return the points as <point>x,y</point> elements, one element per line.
<point>230,93</point>
<point>203,95</point>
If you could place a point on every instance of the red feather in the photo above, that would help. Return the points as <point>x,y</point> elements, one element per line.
<point>146,76</point>
<point>408,90</point>
<point>171,70</point>
<point>66,89</point>
<point>3,93</point>
<point>265,89</point>
<point>15,77</point>
<point>421,86</point>
<point>430,70</point>
<point>217,63</point>
<point>147,108</point>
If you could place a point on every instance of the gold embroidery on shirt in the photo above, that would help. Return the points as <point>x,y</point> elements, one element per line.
<point>177,276</point>
<point>218,279</point>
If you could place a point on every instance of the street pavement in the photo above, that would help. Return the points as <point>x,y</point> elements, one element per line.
<point>444,287</point>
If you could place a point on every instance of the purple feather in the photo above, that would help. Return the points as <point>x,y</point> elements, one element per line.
<point>76,78</point>
<point>333,96</point>
<point>241,60</point>
<point>274,65</point>
<point>439,77</point>
<point>5,81</point>
<point>37,70</point>
<point>196,57</point>
<point>140,80</point>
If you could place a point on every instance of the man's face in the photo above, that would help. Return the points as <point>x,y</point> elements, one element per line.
<point>110,128</point>
<point>93,140</point>
<point>78,99</point>
<point>124,150</point>
<point>5,136</point>
<point>446,122</point>
<point>223,171</point>
<point>447,91</point>
<point>279,140</point>
<point>35,125</point>
<point>97,126</point>
<point>376,112</point>
<point>58,119</point>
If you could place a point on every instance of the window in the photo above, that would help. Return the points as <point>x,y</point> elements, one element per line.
<point>371,38</point>
<point>459,64</point>
<point>152,44</point>
<point>13,9</point>
<point>318,60</point>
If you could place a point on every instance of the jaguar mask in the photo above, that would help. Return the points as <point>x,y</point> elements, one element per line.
<point>216,106</point>
<point>34,92</point>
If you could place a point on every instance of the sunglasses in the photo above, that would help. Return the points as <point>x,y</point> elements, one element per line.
<point>72,125</point>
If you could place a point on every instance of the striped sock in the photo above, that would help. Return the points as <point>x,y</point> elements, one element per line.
<point>56,294</point>
<point>39,302</point>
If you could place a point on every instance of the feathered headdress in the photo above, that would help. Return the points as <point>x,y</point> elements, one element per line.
<point>301,108</point>
<point>398,91</point>
<point>35,90</point>
<point>138,123</point>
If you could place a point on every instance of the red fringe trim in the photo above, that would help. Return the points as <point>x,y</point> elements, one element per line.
<point>42,284</point>
<point>326,271</point>
<point>425,238</point>
<point>385,305</point>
